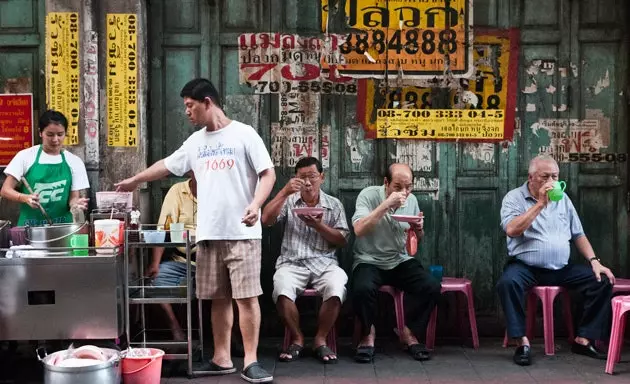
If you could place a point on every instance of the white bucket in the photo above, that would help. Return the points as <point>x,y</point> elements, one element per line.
<point>106,234</point>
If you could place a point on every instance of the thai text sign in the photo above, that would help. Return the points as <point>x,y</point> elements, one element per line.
<point>493,85</point>
<point>16,125</point>
<point>122,80</point>
<point>439,124</point>
<point>419,38</point>
<point>278,63</point>
<point>62,69</point>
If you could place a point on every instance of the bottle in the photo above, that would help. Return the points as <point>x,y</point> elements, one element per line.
<point>167,223</point>
<point>167,227</point>
<point>134,226</point>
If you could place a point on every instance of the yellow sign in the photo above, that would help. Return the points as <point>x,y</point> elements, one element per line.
<point>62,69</point>
<point>437,124</point>
<point>492,86</point>
<point>122,80</point>
<point>417,38</point>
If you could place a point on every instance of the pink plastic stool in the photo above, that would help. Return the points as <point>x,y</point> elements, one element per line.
<point>399,308</point>
<point>620,305</point>
<point>547,294</point>
<point>621,286</point>
<point>331,339</point>
<point>453,284</point>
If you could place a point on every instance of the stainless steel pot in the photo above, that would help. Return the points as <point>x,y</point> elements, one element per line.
<point>108,372</point>
<point>5,225</point>
<point>53,236</point>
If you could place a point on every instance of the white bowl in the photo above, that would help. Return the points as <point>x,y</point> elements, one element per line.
<point>154,236</point>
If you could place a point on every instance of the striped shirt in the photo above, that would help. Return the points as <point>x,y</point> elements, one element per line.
<point>545,244</point>
<point>302,245</point>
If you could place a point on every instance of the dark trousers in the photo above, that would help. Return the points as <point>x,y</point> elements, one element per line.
<point>422,292</point>
<point>518,278</point>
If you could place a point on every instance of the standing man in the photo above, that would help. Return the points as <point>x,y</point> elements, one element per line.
<point>234,176</point>
<point>308,255</point>
<point>539,233</point>
<point>380,258</point>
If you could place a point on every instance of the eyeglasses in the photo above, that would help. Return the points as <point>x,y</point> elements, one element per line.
<point>312,177</point>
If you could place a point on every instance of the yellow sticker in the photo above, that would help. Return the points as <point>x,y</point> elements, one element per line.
<point>62,69</point>
<point>122,80</point>
<point>440,124</point>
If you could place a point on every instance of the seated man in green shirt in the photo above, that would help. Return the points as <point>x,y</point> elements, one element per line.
<point>380,258</point>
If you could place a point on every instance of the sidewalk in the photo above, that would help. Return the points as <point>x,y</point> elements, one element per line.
<point>450,364</point>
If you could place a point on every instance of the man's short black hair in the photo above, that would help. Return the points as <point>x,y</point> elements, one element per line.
<point>199,89</point>
<point>52,117</point>
<point>307,162</point>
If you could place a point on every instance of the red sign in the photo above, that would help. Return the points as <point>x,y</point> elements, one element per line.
<point>16,125</point>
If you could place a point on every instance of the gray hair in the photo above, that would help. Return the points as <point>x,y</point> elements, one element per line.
<point>542,158</point>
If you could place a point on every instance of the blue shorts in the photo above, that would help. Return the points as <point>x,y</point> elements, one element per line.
<point>172,274</point>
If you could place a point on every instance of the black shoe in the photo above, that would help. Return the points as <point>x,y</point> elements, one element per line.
<point>588,350</point>
<point>523,355</point>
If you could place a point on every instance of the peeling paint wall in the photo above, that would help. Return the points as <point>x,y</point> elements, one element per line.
<point>483,152</point>
<point>244,108</point>
<point>418,154</point>
<point>119,163</point>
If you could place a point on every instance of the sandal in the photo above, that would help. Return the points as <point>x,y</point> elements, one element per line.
<point>255,373</point>
<point>418,352</point>
<point>293,351</point>
<point>324,351</point>
<point>365,354</point>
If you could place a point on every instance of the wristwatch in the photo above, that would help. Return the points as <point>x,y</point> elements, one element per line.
<point>593,258</point>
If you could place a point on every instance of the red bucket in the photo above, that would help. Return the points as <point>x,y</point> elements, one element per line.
<point>143,370</point>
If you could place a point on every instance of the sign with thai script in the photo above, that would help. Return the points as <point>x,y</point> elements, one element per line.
<point>493,86</point>
<point>439,124</point>
<point>16,125</point>
<point>62,69</point>
<point>279,63</point>
<point>418,38</point>
<point>570,136</point>
<point>122,80</point>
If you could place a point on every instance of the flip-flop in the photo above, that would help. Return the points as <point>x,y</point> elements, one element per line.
<point>418,352</point>
<point>294,351</point>
<point>365,354</point>
<point>255,373</point>
<point>324,351</point>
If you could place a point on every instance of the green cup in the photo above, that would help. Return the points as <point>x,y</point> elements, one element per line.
<point>79,241</point>
<point>557,192</point>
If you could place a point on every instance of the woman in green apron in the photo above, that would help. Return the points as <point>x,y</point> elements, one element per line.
<point>55,175</point>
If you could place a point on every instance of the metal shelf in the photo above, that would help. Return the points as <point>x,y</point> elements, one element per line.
<point>141,295</point>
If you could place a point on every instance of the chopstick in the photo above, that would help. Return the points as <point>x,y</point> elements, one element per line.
<point>30,190</point>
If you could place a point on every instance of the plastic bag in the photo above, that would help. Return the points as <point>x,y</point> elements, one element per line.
<point>412,242</point>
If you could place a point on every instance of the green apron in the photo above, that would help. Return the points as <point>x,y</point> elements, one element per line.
<point>53,183</point>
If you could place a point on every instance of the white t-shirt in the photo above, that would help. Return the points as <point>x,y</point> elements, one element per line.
<point>24,159</point>
<point>226,163</point>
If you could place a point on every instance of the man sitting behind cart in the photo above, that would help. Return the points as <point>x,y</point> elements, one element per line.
<point>181,204</point>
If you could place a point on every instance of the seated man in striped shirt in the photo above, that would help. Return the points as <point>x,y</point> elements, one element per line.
<point>307,257</point>
<point>539,233</point>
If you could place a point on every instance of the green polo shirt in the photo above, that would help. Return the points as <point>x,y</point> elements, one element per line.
<point>384,245</point>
